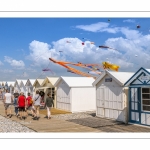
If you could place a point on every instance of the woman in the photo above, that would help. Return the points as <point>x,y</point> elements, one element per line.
<point>48,105</point>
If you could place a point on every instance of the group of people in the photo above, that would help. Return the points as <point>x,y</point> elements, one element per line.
<point>24,106</point>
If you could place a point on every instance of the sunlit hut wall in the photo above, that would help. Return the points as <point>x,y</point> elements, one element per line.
<point>23,87</point>
<point>111,95</point>
<point>139,97</point>
<point>29,86</point>
<point>75,94</point>
<point>48,86</point>
<point>17,85</point>
<point>37,85</point>
<point>11,86</point>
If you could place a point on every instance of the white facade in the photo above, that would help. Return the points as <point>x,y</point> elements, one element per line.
<point>29,86</point>
<point>112,96</point>
<point>17,86</point>
<point>23,87</point>
<point>48,86</point>
<point>11,86</point>
<point>75,94</point>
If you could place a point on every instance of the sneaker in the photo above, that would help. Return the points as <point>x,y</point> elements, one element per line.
<point>35,118</point>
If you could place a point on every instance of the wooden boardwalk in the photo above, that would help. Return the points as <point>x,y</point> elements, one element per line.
<point>53,125</point>
<point>88,124</point>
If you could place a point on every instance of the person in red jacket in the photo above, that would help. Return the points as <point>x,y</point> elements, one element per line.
<point>21,105</point>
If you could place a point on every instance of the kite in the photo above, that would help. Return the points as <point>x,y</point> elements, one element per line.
<point>106,47</point>
<point>107,65</point>
<point>73,70</point>
<point>138,26</point>
<point>48,70</point>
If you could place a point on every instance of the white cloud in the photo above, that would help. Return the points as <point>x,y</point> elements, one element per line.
<point>13,62</point>
<point>129,20</point>
<point>6,71</point>
<point>94,27</point>
<point>1,63</point>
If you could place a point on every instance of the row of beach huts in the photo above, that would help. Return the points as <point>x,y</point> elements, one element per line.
<point>122,96</point>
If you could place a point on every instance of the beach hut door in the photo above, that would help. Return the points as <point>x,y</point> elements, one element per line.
<point>134,106</point>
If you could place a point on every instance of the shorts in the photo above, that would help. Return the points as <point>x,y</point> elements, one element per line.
<point>29,108</point>
<point>37,107</point>
<point>21,108</point>
<point>7,105</point>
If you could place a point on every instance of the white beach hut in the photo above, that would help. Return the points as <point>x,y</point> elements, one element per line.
<point>23,87</point>
<point>17,85</point>
<point>112,96</point>
<point>48,86</point>
<point>11,86</point>
<point>37,85</point>
<point>75,94</point>
<point>29,86</point>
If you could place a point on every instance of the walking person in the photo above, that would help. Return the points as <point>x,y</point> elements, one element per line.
<point>8,100</point>
<point>29,105</point>
<point>48,105</point>
<point>37,101</point>
<point>16,95</point>
<point>22,104</point>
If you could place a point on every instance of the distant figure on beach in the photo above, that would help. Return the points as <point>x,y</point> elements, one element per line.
<point>16,95</point>
<point>8,100</point>
<point>37,101</point>
<point>48,104</point>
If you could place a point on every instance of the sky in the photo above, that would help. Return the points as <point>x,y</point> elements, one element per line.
<point>26,44</point>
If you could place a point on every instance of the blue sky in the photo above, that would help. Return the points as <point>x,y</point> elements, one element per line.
<point>26,44</point>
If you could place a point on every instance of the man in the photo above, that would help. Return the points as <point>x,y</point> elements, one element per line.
<point>22,105</point>
<point>37,101</point>
<point>8,99</point>
<point>16,95</point>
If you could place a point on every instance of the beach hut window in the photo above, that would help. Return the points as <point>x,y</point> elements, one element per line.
<point>146,99</point>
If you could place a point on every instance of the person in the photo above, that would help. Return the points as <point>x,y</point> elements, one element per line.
<point>16,95</point>
<point>22,105</point>
<point>48,105</point>
<point>29,105</point>
<point>37,101</point>
<point>8,99</point>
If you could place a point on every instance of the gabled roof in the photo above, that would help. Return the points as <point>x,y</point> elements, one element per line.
<point>31,81</point>
<point>17,81</point>
<point>119,77</point>
<point>52,80</point>
<point>135,75</point>
<point>23,81</point>
<point>76,81</point>
<point>40,81</point>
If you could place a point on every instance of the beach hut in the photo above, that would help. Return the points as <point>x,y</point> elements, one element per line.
<point>17,85</point>
<point>112,96</point>
<point>11,86</point>
<point>29,86</point>
<point>139,97</point>
<point>23,87</point>
<point>37,85</point>
<point>48,86</point>
<point>75,94</point>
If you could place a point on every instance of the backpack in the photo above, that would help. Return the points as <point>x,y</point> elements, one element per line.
<point>31,101</point>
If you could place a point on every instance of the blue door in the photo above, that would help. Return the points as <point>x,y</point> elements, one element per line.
<point>134,105</point>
